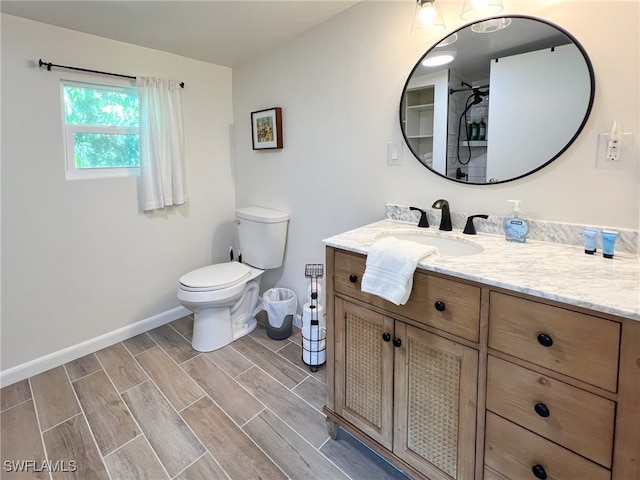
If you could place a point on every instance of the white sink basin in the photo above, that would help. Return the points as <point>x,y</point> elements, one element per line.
<point>447,246</point>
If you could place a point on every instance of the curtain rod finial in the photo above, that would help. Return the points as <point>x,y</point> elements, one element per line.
<point>43,64</point>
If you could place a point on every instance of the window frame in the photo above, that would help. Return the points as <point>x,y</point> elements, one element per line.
<point>69,130</point>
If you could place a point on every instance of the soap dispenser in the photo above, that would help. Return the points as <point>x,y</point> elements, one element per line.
<point>515,227</point>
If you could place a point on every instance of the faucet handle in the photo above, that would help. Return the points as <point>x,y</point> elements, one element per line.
<point>424,221</point>
<point>470,228</point>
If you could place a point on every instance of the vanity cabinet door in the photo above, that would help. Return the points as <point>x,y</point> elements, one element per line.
<point>435,404</point>
<point>364,370</point>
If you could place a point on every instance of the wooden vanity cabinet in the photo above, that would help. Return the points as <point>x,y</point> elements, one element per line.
<point>496,385</point>
<point>404,387</point>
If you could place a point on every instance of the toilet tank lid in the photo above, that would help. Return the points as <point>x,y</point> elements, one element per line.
<point>261,214</point>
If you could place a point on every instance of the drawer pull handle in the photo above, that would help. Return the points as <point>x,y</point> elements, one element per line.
<point>545,340</point>
<point>440,306</point>
<point>538,471</point>
<point>353,278</point>
<point>386,337</point>
<point>397,342</point>
<point>542,410</point>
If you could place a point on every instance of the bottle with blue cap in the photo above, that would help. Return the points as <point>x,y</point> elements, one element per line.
<point>515,227</point>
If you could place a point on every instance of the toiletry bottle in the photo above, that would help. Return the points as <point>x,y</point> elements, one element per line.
<point>482,130</point>
<point>608,243</point>
<point>590,236</point>
<point>474,131</point>
<point>515,227</point>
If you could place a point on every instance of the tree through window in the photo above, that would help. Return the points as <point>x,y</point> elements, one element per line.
<point>101,130</point>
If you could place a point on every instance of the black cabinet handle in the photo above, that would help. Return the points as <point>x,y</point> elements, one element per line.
<point>386,336</point>
<point>538,471</point>
<point>440,306</point>
<point>545,340</point>
<point>542,410</point>
<point>353,278</point>
<point>397,342</point>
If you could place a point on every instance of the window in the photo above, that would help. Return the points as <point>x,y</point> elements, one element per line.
<point>101,130</point>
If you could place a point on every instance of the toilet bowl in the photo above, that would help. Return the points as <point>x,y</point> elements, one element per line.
<point>223,297</point>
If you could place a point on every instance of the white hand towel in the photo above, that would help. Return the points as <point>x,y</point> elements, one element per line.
<point>390,266</point>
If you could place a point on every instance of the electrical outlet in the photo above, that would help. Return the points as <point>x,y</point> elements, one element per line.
<point>394,153</point>
<point>615,141</point>
<point>612,154</point>
<point>613,150</point>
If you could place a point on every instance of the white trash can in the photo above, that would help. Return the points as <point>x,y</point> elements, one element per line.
<point>281,306</point>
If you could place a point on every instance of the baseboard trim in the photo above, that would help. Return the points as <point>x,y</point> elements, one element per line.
<point>46,362</point>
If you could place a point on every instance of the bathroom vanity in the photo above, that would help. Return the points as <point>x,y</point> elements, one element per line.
<point>522,361</point>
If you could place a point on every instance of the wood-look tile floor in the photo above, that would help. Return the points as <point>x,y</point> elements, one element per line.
<point>151,407</point>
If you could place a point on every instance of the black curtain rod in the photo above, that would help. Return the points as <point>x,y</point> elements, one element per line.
<point>49,65</point>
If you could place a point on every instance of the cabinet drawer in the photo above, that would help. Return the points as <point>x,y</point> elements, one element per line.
<point>581,346</point>
<point>513,452</point>
<point>458,310</point>
<point>576,419</point>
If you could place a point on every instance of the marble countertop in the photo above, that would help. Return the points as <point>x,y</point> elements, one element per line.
<point>547,270</point>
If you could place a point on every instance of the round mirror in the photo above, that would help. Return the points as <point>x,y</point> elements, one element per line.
<point>497,100</point>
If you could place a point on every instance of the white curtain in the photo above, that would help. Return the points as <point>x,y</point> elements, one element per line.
<point>161,172</point>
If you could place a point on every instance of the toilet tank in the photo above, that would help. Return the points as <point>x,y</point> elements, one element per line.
<point>262,233</point>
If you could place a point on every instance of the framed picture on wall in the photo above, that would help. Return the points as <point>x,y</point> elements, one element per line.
<point>266,128</point>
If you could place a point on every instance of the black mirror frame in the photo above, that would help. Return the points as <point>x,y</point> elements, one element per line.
<point>564,149</point>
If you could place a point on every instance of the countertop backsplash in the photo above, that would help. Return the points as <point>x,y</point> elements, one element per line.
<point>555,232</point>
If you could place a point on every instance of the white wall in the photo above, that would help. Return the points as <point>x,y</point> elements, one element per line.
<point>79,258</point>
<point>339,87</point>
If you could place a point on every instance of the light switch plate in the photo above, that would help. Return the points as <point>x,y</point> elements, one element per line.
<point>394,153</point>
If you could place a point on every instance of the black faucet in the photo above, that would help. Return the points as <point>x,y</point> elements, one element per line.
<point>470,228</point>
<point>445,220</point>
<point>424,222</point>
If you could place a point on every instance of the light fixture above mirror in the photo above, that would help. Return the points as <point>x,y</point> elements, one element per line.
<point>427,17</point>
<point>476,9</point>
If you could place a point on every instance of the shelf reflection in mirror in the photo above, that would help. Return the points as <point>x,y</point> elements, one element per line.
<point>514,98</point>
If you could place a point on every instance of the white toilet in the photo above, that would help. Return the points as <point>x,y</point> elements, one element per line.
<point>223,296</point>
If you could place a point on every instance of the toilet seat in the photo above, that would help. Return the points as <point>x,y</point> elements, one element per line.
<point>215,277</point>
